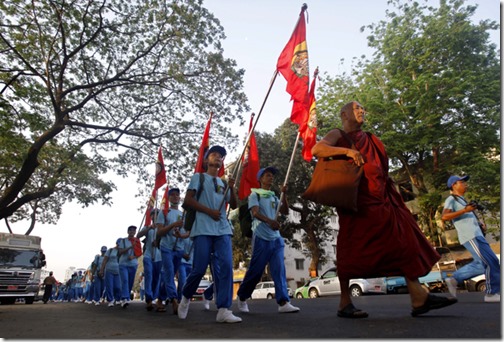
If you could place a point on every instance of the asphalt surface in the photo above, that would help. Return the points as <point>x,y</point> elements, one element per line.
<point>389,318</point>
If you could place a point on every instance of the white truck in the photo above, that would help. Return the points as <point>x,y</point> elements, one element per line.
<point>21,260</point>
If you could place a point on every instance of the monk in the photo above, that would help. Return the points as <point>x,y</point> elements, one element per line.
<point>382,238</point>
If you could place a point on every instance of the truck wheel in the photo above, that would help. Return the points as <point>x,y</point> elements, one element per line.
<point>355,291</point>
<point>8,300</point>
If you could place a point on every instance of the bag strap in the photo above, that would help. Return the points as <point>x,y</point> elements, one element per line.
<point>200,187</point>
<point>347,137</point>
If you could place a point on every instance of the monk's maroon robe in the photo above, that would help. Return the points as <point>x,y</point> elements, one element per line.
<point>382,238</point>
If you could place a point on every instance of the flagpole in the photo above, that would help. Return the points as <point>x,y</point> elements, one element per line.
<point>288,172</point>
<point>251,131</point>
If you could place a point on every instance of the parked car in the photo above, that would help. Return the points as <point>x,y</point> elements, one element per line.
<point>328,284</point>
<point>478,283</point>
<point>266,289</point>
<point>203,285</point>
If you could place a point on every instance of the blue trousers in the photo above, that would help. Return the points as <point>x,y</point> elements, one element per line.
<point>113,286</point>
<point>204,246</point>
<point>152,277</point>
<point>171,262</point>
<point>484,262</point>
<point>264,252</point>
<point>99,286</point>
<point>127,274</point>
<point>183,272</point>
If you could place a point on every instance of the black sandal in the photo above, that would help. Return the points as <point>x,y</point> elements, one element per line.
<point>350,311</point>
<point>433,302</point>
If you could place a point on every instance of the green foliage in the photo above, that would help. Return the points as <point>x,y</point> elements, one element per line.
<point>432,93</point>
<point>90,87</point>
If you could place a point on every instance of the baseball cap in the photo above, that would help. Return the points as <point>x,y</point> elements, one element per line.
<point>215,148</point>
<point>453,179</point>
<point>172,190</point>
<point>132,228</point>
<point>271,169</point>
<point>103,249</point>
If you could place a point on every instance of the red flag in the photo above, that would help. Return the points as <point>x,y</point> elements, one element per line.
<point>308,129</point>
<point>205,145</point>
<point>150,206</point>
<point>293,65</point>
<point>250,164</point>
<point>160,171</point>
<point>165,203</point>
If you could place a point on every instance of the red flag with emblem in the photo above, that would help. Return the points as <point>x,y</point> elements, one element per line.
<point>250,163</point>
<point>205,145</point>
<point>293,65</point>
<point>308,129</point>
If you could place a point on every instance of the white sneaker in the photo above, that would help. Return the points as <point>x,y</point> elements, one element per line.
<point>111,304</point>
<point>226,316</point>
<point>97,303</point>
<point>124,303</point>
<point>492,298</point>
<point>288,307</point>
<point>183,308</point>
<point>206,304</point>
<point>242,306</point>
<point>88,302</point>
<point>452,286</point>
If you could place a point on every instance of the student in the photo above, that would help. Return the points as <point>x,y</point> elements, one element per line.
<point>471,237</point>
<point>110,271</point>
<point>211,232</point>
<point>151,262</point>
<point>267,243</point>
<point>171,245</point>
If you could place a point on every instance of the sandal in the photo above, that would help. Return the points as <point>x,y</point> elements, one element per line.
<point>350,311</point>
<point>433,302</point>
<point>160,309</point>
<point>149,306</point>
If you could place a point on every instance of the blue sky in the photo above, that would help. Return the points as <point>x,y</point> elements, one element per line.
<point>256,33</point>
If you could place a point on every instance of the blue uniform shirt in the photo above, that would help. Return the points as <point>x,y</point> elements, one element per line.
<point>267,207</point>
<point>467,224</point>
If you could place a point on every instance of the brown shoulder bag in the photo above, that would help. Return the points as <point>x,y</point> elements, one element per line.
<point>335,181</point>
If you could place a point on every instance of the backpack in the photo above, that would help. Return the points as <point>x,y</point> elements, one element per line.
<point>190,213</point>
<point>246,218</point>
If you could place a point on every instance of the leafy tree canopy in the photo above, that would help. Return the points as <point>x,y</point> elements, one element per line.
<point>90,87</point>
<point>432,93</point>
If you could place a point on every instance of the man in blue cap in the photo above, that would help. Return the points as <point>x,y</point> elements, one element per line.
<point>267,243</point>
<point>211,232</point>
<point>97,281</point>
<point>470,235</point>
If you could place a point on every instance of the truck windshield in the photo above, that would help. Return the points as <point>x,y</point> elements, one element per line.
<point>19,258</point>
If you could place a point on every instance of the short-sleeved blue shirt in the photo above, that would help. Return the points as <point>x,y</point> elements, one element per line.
<point>124,259</point>
<point>267,207</point>
<point>211,197</point>
<point>169,240</point>
<point>112,265</point>
<point>150,251</point>
<point>467,225</point>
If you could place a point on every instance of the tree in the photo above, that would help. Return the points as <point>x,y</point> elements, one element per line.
<point>432,95</point>
<point>90,87</point>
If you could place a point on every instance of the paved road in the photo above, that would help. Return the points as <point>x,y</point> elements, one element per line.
<point>389,317</point>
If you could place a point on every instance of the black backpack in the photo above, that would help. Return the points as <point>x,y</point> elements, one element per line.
<point>190,213</point>
<point>246,218</point>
